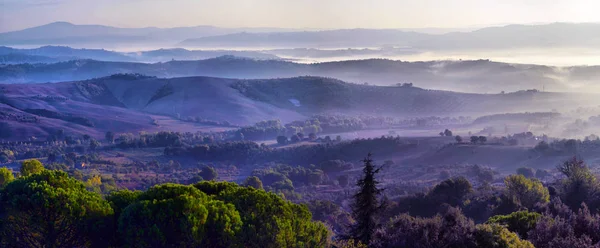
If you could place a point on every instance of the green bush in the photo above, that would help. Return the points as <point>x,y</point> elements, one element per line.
<point>32,166</point>
<point>526,192</point>
<point>520,222</point>
<point>6,176</point>
<point>496,236</point>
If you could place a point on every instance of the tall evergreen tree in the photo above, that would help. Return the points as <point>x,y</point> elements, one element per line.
<point>366,204</point>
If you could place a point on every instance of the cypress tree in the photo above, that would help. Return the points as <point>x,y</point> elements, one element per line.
<point>366,204</point>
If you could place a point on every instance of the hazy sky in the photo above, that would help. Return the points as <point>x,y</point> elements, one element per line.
<point>19,14</point>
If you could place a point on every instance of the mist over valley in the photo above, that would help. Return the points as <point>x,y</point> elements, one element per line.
<point>280,128</point>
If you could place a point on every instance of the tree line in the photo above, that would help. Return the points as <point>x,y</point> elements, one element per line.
<point>47,208</point>
<point>247,152</point>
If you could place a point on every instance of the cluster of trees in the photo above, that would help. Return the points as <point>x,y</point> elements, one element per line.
<point>341,123</point>
<point>27,151</point>
<point>311,126</point>
<point>283,140</point>
<point>142,175</point>
<point>59,135</point>
<point>478,139</point>
<point>284,177</point>
<point>447,229</point>
<point>6,155</point>
<point>263,130</point>
<point>249,152</point>
<point>241,151</point>
<point>298,130</point>
<point>435,121</point>
<point>208,173</point>
<point>459,139</point>
<point>160,139</point>
<point>524,138</point>
<point>446,133</point>
<point>204,121</point>
<point>453,214</point>
<point>6,129</point>
<point>474,139</point>
<point>47,208</point>
<point>523,213</point>
<point>568,146</point>
<point>270,129</point>
<point>536,117</point>
<point>56,148</point>
<point>164,138</point>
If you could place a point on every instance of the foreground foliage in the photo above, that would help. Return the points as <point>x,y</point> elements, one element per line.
<point>51,209</point>
<point>48,208</point>
<point>450,229</point>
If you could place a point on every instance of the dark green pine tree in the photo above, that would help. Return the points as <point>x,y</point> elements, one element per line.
<point>366,204</point>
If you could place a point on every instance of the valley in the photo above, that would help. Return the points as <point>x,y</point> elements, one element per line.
<point>208,136</point>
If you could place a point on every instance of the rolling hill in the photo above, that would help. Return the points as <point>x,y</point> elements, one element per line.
<point>19,58</point>
<point>63,53</point>
<point>130,103</point>
<point>53,54</point>
<point>477,76</point>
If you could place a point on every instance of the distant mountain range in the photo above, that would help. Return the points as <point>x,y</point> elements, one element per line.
<point>127,103</point>
<point>586,35</point>
<point>506,37</point>
<point>64,33</point>
<point>482,76</point>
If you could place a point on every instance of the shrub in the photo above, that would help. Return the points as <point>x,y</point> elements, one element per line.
<point>208,173</point>
<point>520,222</point>
<point>30,167</point>
<point>525,192</point>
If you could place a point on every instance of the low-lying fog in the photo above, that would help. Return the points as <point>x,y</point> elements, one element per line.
<point>550,57</point>
<point>539,56</point>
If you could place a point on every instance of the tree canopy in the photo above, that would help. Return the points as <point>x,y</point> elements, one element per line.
<point>31,167</point>
<point>178,216</point>
<point>6,176</point>
<point>253,182</point>
<point>267,219</point>
<point>526,192</point>
<point>51,209</point>
<point>208,173</point>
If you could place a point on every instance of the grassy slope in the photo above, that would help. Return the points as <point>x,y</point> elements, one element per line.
<point>131,104</point>
<point>326,95</point>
